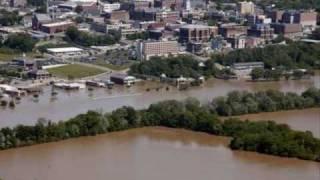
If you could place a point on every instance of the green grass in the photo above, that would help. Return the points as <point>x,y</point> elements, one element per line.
<point>75,71</point>
<point>8,56</point>
<point>113,67</point>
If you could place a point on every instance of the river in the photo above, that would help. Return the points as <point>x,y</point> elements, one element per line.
<point>69,104</point>
<point>149,153</point>
<point>303,120</point>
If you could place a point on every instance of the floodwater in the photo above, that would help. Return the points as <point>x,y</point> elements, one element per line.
<point>303,120</point>
<point>149,153</point>
<point>69,104</point>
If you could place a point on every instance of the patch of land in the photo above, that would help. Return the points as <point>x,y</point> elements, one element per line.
<point>75,71</point>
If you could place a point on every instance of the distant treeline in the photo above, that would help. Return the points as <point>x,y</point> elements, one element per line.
<point>238,103</point>
<point>172,67</point>
<point>278,59</point>
<point>292,56</point>
<point>264,137</point>
<point>176,66</point>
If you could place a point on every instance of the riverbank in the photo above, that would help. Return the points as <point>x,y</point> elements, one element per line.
<point>265,137</point>
<point>148,153</point>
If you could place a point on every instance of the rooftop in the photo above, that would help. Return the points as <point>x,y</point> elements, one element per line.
<point>57,24</point>
<point>194,26</point>
<point>64,50</point>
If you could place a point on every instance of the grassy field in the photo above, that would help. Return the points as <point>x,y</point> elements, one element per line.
<point>113,67</point>
<point>9,56</point>
<point>75,71</point>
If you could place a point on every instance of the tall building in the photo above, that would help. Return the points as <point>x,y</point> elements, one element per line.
<point>232,30</point>
<point>147,49</point>
<point>263,31</point>
<point>197,33</point>
<point>260,19</point>
<point>246,8</point>
<point>275,15</point>
<point>158,15</point>
<point>305,18</point>
<point>288,30</point>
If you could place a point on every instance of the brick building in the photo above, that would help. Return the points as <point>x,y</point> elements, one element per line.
<point>56,27</point>
<point>158,15</point>
<point>120,15</point>
<point>232,30</point>
<point>288,30</point>
<point>196,33</point>
<point>39,19</point>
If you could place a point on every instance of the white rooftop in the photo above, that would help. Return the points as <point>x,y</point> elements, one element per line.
<point>194,26</point>
<point>57,24</point>
<point>64,50</point>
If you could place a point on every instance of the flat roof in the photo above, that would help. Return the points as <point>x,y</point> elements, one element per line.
<point>58,23</point>
<point>64,50</point>
<point>193,26</point>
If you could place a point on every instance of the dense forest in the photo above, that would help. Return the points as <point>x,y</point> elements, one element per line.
<point>294,55</point>
<point>264,137</point>
<point>86,39</point>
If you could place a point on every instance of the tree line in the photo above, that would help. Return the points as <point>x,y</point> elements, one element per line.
<point>20,41</point>
<point>278,60</point>
<point>87,39</point>
<point>292,56</point>
<point>264,137</point>
<point>171,66</point>
<point>239,103</point>
<point>8,18</point>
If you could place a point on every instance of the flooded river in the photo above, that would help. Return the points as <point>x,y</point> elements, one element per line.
<point>148,153</point>
<point>303,120</point>
<point>69,104</point>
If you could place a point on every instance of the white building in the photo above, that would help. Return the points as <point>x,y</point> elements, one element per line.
<point>66,51</point>
<point>148,49</point>
<point>245,8</point>
<point>107,7</point>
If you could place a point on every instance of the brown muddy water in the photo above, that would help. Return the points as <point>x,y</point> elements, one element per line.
<point>302,120</point>
<point>69,104</point>
<point>148,153</point>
